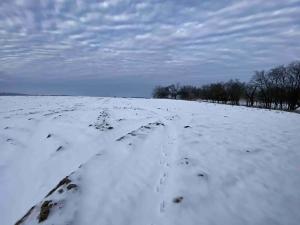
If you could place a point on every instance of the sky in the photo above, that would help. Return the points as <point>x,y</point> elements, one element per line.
<point>126,47</point>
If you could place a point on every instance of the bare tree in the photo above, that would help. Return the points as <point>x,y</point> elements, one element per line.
<point>250,91</point>
<point>235,90</point>
<point>293,87</point>
<point>277,77</point>
<point>189,92</point>
<point>278,88</point>
<point>160,92</point>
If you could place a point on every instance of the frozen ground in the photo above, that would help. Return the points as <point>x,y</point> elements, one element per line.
<point>146,162</point>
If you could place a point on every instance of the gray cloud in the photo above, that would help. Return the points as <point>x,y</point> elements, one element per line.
<point>196,41</point>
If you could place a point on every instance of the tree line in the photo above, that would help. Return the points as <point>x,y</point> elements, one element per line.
<point>277,88</point>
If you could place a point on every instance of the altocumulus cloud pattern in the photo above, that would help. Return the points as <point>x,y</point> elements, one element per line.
<point>185,40</point>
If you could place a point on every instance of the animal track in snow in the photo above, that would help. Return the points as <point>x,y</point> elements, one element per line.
<point>162,206</point>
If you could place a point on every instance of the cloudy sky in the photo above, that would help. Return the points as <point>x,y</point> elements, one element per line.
<point>125,47</point>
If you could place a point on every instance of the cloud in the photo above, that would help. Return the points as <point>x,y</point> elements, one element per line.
<point>85,39</point>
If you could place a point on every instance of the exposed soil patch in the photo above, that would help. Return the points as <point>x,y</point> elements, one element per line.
<point>157,124</point>
<point>102,122</point>
<point>47,205</point>
<point>64,181</point>
<point>45,210</point>
<point>141,130</point>
<point>120,138</point>
<point>178,199</point>
<point>185,161</point>
<point>71,186</point>
<point>202,176</point>
<point>132,133</point>
<point>59,148</point>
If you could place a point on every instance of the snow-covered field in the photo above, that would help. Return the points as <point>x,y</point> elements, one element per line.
<point>146,162</point>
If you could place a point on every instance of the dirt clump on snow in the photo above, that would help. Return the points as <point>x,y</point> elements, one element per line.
<point>66,180</point>
<point>178,199</point>
<point>45,210</point>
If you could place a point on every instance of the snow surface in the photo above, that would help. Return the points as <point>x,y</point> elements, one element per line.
<point>147,162</point>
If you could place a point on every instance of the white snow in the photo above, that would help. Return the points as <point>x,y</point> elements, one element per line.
<point>130,158</point>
